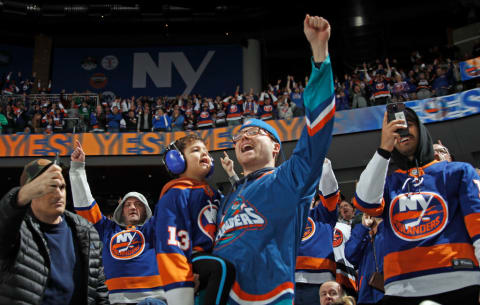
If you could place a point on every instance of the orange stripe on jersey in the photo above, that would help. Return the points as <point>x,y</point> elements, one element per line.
<point>198,249</point>
<point>174,268</point>
<point>261,297</point>
<point>314,263</point>
<point>267,173</point>
<point>372,211</point>
<point>426,258</point>
<point>186,183</point>
<point>134,282</point>
<point>323,122</point>
<point>345,281</point>
<point>331,202</point>
<point>93,215</point>
<point>472,222</point>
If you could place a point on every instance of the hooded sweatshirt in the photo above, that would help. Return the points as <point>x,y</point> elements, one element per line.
<point>431,211</point>
<point>128,252</point>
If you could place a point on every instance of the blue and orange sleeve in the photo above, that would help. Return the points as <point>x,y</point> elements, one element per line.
<point>372,209</point>
<point>173,245</point>
<point>469,194</point>
<point>301,171</point>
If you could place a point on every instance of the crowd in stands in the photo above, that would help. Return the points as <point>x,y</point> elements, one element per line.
<point>435,73</point>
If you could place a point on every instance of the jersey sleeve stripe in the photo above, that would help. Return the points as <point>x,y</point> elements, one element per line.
<point>472,223</point>
<point>330,202</point>
<point>426,258</point>
<point>273,294</point>
<point>327,114</point>
<point>315,263</point>
<point>371,209</point>
<point>91,213</point>
<point>174,268</point>
<point>345,281</point>
<point>134,282</point>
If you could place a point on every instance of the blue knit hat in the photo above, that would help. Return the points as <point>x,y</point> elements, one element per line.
<point>263,125</point>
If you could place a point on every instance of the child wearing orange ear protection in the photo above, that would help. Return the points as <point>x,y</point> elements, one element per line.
<point>185,227</point>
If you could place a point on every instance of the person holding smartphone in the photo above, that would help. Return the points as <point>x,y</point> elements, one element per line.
<point>431,211</point>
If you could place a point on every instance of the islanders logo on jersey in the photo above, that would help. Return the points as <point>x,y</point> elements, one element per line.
<point>207,220</point>
<point>337,238</point>
<point>418,216</point>
<point>268,108</point>
<point>127,244</point>
<point>204,114</point>
<point>240,217</point>
<point>309,229</point>
<point>380,86</point>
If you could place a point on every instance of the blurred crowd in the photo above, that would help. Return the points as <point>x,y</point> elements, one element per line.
<point>435,73</point>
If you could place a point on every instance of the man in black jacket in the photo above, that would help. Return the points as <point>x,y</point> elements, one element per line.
<point>49,255</point>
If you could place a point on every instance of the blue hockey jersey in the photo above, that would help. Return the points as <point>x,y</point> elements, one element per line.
<point>261,223</point>
<point>316,261</point>
<point>432,225</point>
<point>185,223</point>
<point>128,252</point>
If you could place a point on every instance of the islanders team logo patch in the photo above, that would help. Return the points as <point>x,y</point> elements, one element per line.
<point>337,238</point>
<point>268,108</point>
<point>240,217</point>
<point>418,216</point>
<point>207,220</point>
<point>309,229</point>
<point>127,244</point>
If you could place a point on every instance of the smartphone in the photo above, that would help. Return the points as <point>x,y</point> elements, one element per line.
<point>396,111</point>
<point>56,161</point>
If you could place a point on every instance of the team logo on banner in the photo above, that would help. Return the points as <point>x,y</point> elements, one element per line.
<point>127,244</point>
<point>418,216</point>
<point>98,80</point>
<point>89,63</point>
<point>207,219</point>
<point>108,96</point>
<point>241,217</point>
<point>109,62</point>
<point>470,68</point>
<point>309,229</point>
<point>337,238</point>
<point>435,108</point>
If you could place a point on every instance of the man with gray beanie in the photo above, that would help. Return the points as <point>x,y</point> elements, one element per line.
<point>128,250</point>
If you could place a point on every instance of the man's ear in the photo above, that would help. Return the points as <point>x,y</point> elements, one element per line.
<point>276,147</point>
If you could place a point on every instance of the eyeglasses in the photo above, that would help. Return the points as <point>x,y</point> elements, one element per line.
<point>250,133</point>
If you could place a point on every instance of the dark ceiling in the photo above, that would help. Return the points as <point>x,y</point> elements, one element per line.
<point>390,28</point>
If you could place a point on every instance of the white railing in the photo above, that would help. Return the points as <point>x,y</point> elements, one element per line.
<point>50,97</point>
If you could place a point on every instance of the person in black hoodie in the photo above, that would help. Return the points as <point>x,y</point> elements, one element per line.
<point>431,211</point>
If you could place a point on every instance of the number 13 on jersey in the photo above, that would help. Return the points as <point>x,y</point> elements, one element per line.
<point>180,239</point>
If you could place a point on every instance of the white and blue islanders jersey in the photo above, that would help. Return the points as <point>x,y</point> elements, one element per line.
<point>261,223</point>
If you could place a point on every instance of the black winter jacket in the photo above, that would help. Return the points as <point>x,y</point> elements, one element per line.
<point>25,259</point>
